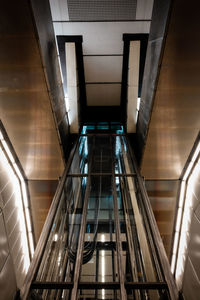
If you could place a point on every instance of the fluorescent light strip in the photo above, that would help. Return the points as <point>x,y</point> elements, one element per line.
<point>17,192</point>
<point>189,168</point>
<point>7,151</point>
<point>30,235</point>
<point>173,261</point>
<point>182,194</point>
<point>196,152</point>
<point>1,136</point>
<point>28,219</point>
<point>18,172</point>
<point>183,220</point>
<point>22,193</point>
<point>178,218</point>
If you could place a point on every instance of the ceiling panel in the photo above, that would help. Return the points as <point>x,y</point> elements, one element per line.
<point>103,94</point>
<point>103,68</point>
<point>101,37</point>
<point>101,10</point>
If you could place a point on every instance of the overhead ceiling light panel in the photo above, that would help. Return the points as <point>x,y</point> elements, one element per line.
<point>184,215</point>
<point>72,86</point>
<point>21,198</point>
<point>133,84</point>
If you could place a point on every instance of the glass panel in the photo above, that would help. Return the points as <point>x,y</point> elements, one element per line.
<point>59,257</point>
<point>139,245</point>
<point>117,128</point>
<point>103,127</point>
<point>99,294</point>
<point>102,156</point>
<point>90,126</point>
<point>99,255</point>
<point>147,294</point>
<point>123,162</point>
<point>82,155</point>
<point>50,294</point>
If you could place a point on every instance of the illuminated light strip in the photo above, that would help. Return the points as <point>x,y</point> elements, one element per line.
<point>7,151</point>
<point>30,235</point>
<point>1,136</point>
<point>196,153</point>
<point>18,204</point>
<point>187,172</point>
<point>133,83</point>
<point>17,170</point>
<point>24,192</point>
<point>103,266</point>
<point>184,218</point>
<point>23,195</point>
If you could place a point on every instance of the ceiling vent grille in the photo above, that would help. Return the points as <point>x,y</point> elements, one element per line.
<point>102,10</point>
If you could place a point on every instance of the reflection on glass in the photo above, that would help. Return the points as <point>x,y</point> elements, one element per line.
<point>82,154</point>
<point>103,127</point>
<point>60,253</point>
<point>123,162</point>
<point>99,294</point>
<point>99,255</point>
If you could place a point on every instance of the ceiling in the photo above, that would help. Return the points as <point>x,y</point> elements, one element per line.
<point>102,25</point>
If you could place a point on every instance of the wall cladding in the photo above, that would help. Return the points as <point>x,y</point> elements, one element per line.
<point>153,56</point>
<point>191,279</point>
<point>11,254</point>
<point>46,39</point>
<point>163,197</point>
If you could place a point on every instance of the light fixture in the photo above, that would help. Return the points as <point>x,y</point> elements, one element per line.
<point>184,213</point>
<point>103,266</point>
<point>22,204</point>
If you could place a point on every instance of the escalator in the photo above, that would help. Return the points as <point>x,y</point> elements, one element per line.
<point>100,240</point>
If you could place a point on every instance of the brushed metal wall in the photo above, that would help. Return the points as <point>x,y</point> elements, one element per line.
<point>156,40</point>
<point>25,107</point>
<point>175,120</point>
<point>191,278</point>
<point>163,195</point>
<point>29,91</point>
<point>42,192</point>
<point>49,59</point>
<point>11,254</point>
